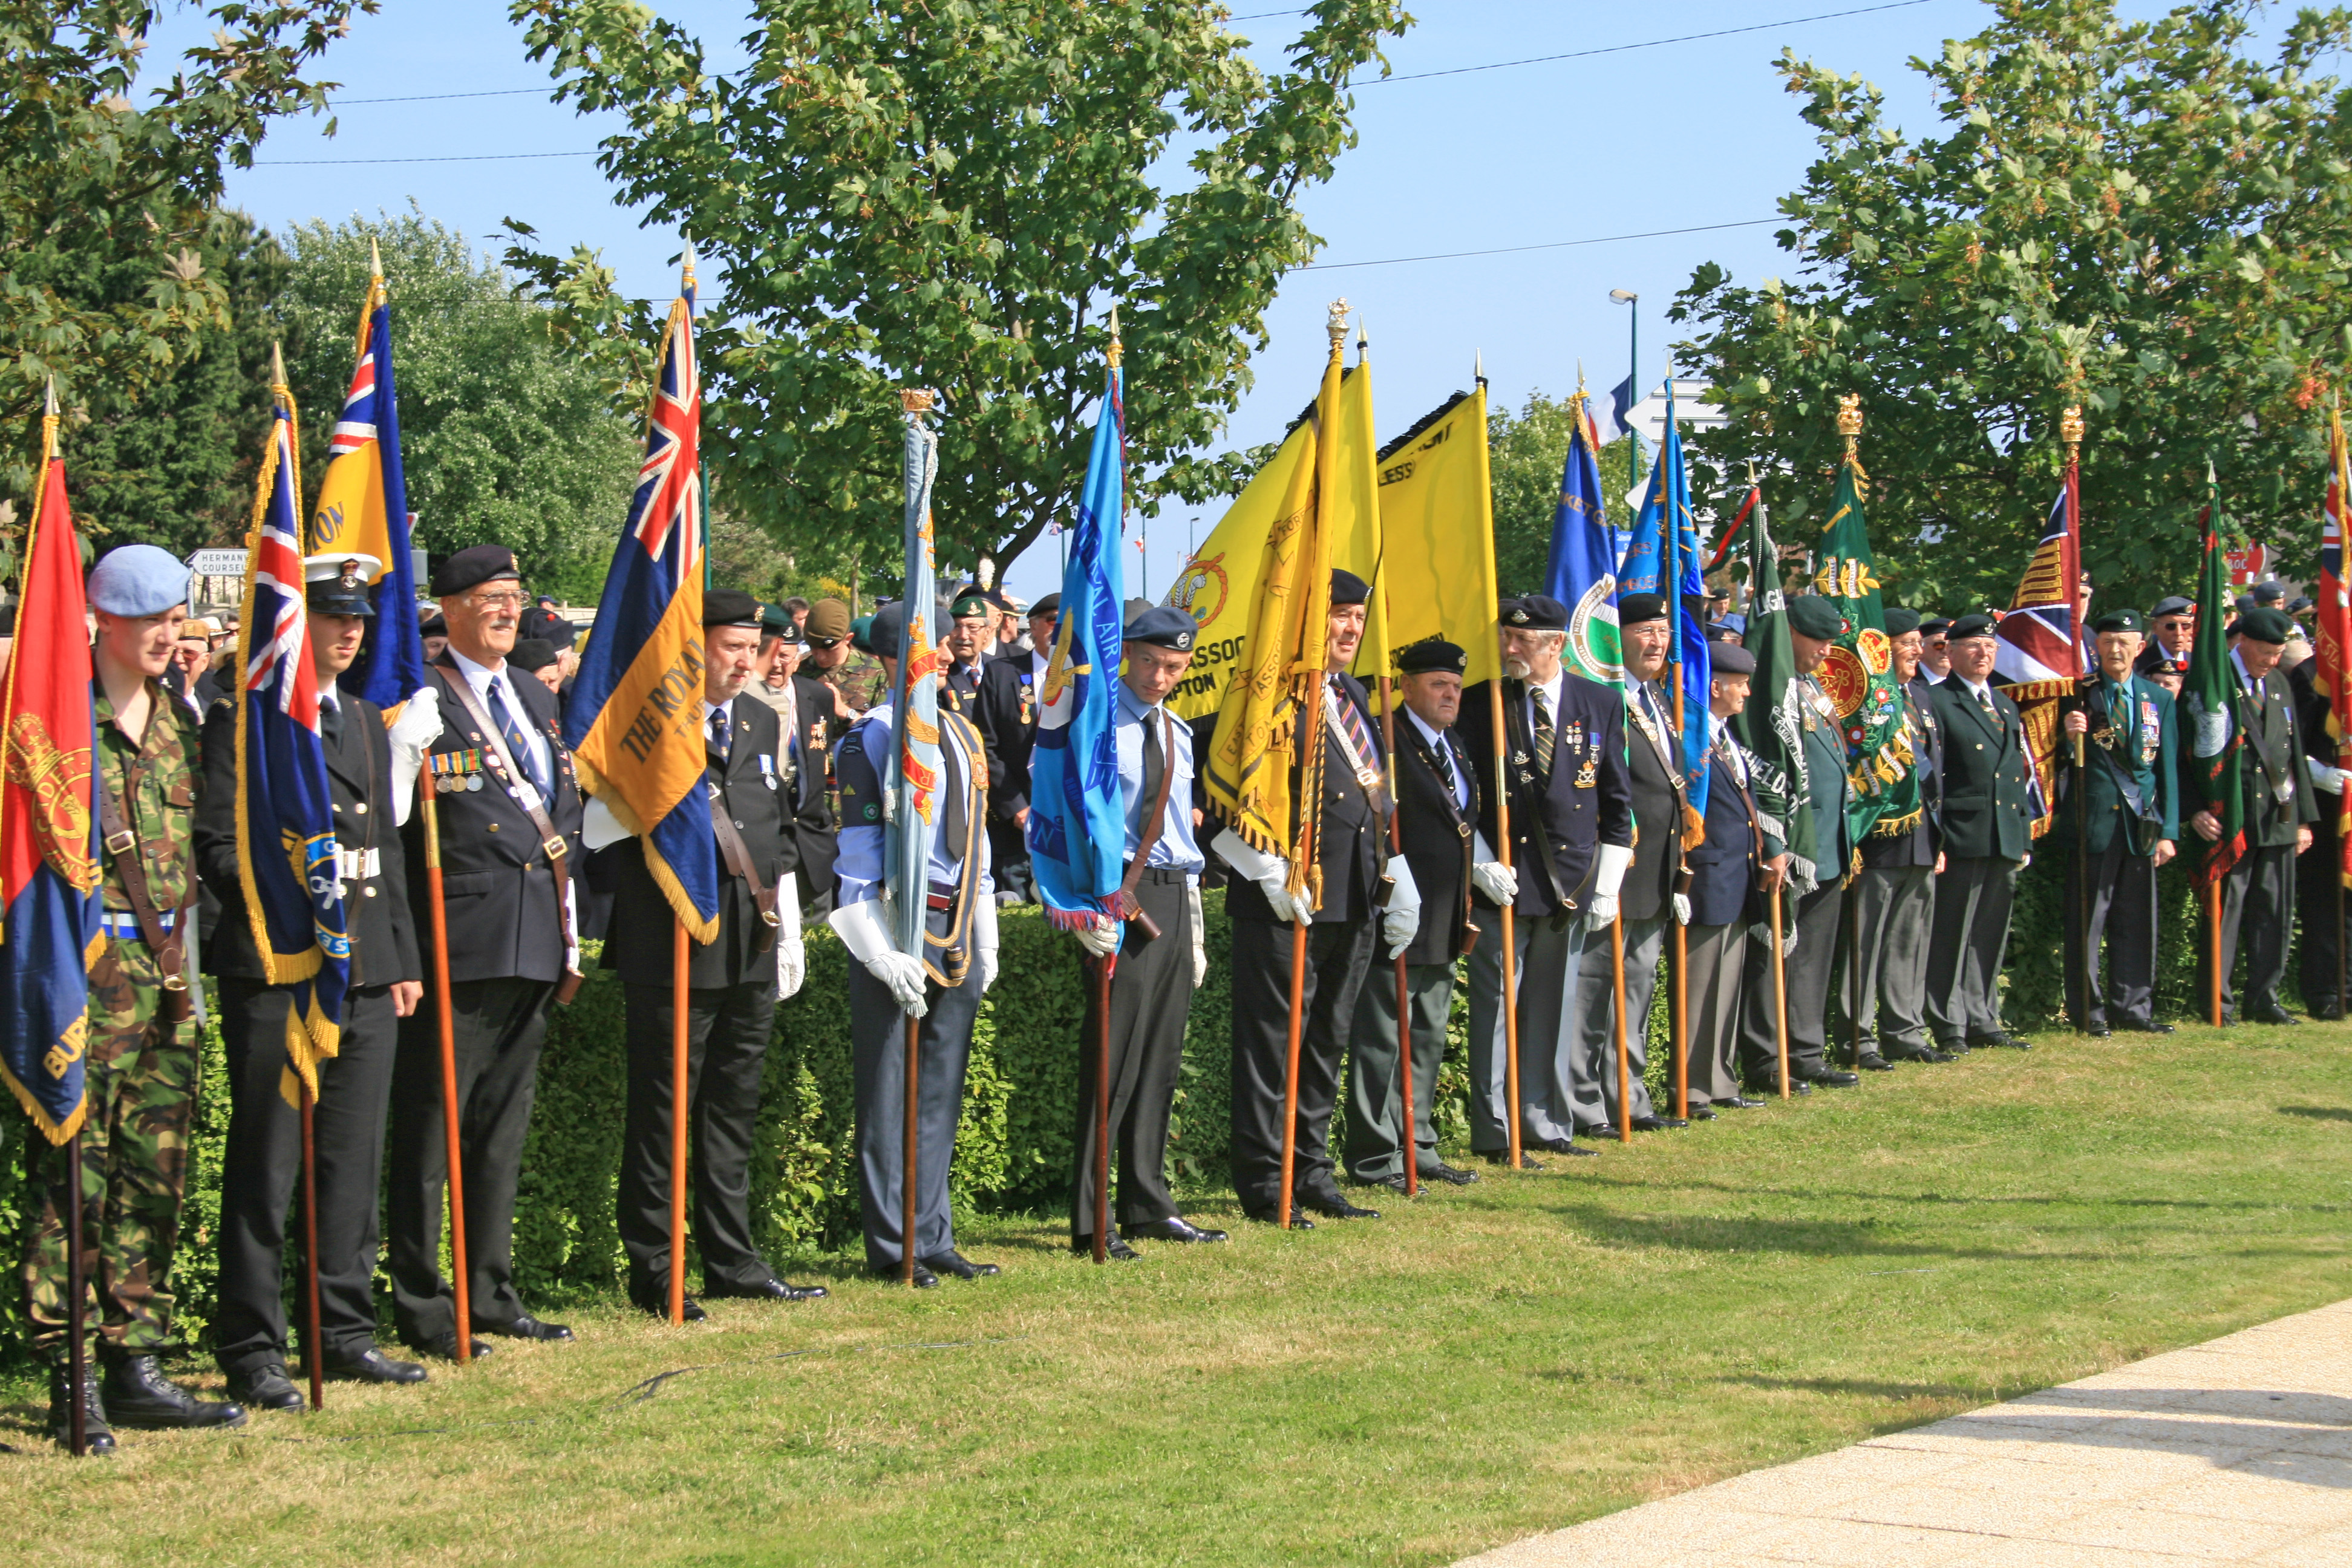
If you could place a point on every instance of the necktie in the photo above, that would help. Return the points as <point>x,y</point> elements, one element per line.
<point>1984,700</point>
<point>1547,740</point>
<point>1359,736</point>
<point>955,817</point>
<point>1155,763</point>
<point>331,720</point>
<point>517,743</point>
<point>719,736</point>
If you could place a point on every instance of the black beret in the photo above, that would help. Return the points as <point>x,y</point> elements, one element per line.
<point>1639,609</point>
<point>1811,615</point>
<point>729,607</point>
<point>1729,658</point>
<point>1535,613</point>
<point>532,653</point>
<point>1347,588</point>
<point>1431,656</point>
<point>1051,604</point>
<point>2119,621</point>
<point>1164,625</point>
<point>1933,625</point>
<point>1976,626</point>
<point>2266,624</point>
<point>470,567</point>
<point>435,625</point>
<point>2173,604</point>
<point>1900,620</point>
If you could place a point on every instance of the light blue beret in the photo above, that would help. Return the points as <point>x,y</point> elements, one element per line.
<point>138,580</point>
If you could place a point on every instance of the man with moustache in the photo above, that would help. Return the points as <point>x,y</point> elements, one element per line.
<point>1988,834</point>
<point>1895,900</point>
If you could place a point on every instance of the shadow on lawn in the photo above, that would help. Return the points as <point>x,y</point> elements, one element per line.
<point>2317,1112</point>
<point>2045,1200</point>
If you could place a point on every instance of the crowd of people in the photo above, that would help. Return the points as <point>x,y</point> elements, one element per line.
<point>1537,827</point>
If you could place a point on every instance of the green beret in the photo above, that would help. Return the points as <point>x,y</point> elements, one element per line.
<point>2266,624</point>
<point>1811,615</point>
<point>1900,620</point>
<point>2119,621</point>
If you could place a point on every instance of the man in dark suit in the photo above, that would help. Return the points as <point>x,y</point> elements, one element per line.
<point>1729,870</point>
<point>1562,755</point>
<point>2258,891</point>
<point>2318,872</point>
<point>1437,816</point>
<point>1895,898</point>
<point>1351,848</point>
<point>501,772</point>
<point>732,986</point>
<point>262,1161</point>
<point>2130,785</point>
<point>1987,834</point>
<point>1006,711</point>
<point>972,633</point>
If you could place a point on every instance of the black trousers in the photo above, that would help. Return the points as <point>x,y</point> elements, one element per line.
<point>2321,943</point>
<point>1818,918</point>
<point>727,1032</point>
<point>942,1052</point>
<point>1337,955</point>
<point>499,1026</point>
<point>261,1173</point>
<point>2123,922</point>
<point>1150,999</point>
<point>2257,898</point>
<point>1008,861</point>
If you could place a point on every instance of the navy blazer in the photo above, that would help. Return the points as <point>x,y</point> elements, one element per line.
<point>1557,825</point>
<point>1724,865</point>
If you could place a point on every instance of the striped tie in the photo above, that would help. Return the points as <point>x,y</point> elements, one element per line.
<point>517,742</point>
<point>1360,735</point>
<point>1547,739</point>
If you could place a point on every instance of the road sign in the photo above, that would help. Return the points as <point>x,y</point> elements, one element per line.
<point>218,563</point>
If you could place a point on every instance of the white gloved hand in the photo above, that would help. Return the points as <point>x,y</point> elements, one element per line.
<point>1495,882</point>
<point>859,926</point>
<point>1601,912</point>
<point>983,940</point>
<point>791,951</point>
<point>2326,779</point>
<point>1401,922</point>
<point>1682,909</point>
<point>598,825</point>
<point>1200,939</point>
<point>1099,938</point>
<point>1270,872</point>
<point>1608,875</point>
<point>410,734</point>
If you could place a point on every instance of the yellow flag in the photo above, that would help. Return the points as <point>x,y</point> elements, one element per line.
<point>1436,516</point>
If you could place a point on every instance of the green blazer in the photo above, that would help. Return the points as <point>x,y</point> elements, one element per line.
<point>1986,814</point>
<point>2141,737</point>
<point>2270,822</point>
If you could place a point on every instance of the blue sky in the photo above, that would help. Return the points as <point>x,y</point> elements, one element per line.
<point>1670,137</point>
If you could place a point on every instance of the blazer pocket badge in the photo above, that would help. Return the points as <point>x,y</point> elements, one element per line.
<point>1588,776</point>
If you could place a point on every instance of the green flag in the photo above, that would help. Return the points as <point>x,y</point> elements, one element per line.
<point>1769,725</point>
<point>1859,673</point>
<point>2206,700</point>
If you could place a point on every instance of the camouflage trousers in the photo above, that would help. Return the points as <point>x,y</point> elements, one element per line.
<point>141,1077</point>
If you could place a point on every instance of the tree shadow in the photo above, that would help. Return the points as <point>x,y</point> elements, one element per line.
<point>2317,1112</point>
<point>1652,1188</point>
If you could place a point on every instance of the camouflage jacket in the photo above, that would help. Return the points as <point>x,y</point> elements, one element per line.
<point>164,772</point>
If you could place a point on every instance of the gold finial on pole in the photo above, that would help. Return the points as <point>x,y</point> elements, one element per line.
<point>1849,421</point>
<point>376,259</point>
<point>48,419</point>
<point>689,282</point>
<point>1363,336</point>
<point>915,399</point>
<point>2069,426</point>
<point>1337,325</point>
<point>1118,349</point>
<point>277,367</point>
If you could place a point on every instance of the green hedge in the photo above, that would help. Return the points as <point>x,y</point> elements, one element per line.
<point>1014,1148</point>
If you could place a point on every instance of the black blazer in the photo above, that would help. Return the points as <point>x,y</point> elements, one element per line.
<point>1006,713</point>
<point>497,884</point>
<point>1557,825</point>
<point>2269,824</point>
<point>1726,864</point>
<point>1658,823</point>
<point>1438,843</point>
<point>1916,845</point>
<point>751,792</point>
<point>815,825</point>
<point>376,913</point>
<point>1984,776</point>
<point>1351,834</point>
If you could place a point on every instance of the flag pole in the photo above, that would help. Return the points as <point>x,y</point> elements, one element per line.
<point>1781,990</point>
<point>2343,478</point>
<point>1678,968</point>
<point>680,963</point>
<point>1510,953</point>
<point>1852,917</point>
<point>1408,1140</point>
<point>2070,432</point>
<point>77,1350</point>
<point>449,1121</point>
<point>313,1349</point>
<point>1102,968</point>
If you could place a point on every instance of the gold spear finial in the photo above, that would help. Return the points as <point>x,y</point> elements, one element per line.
<point>689,282</point>
<point>277,366</point>
<point>50,419</point>
<point>2070,425</point>
<point>915,399</point>
<point>1363,336</point>
<point>1118,349</point>
<point>1337,325</point>
<point>376,259</point>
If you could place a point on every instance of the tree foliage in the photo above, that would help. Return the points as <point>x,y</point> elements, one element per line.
<point>954,195</point>
<point>2142,218</point>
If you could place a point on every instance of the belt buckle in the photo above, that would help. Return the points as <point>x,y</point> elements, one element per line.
<point>121,843</point>
<point>555,847</point>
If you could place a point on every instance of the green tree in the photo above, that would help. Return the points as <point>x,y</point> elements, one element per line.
<point>955,196</point>
<point>2141,219</point>
<point>1526,454</point>
<point>505,435</point>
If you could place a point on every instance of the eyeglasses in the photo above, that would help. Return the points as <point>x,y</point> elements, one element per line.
<point>497,601</point>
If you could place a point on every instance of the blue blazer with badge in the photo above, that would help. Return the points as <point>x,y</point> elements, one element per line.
<point>1724,865</point>
<point>1557,824</point>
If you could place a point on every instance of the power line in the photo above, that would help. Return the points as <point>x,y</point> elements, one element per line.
<point>1646,44</point>
<point>1551,244</point>
<point>464,158</point>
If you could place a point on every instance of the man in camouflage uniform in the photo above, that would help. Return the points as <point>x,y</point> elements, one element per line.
<point>141,1067</point>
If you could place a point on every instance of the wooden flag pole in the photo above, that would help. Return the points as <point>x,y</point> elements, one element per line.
<point>1510,954</point>
<point>679,1112</point>
<point>2214,938</point>
<point>914,1067</point>
<point>449,1117</point>
<point>1624,1036</point>
<point>1102,968</point>
<point>1781,990</point>
<point>2087,961</point>
<point>77,1348</point>
<point>1310,785</point>
<point>1408,1139</point>
<point>1853,967</point>
<point>314,1347</point>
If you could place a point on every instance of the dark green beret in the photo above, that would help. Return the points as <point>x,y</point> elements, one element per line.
<point>2266,624</point>
<point>1900,620</point>
<point>1811,615</point>
<point>2119,621</point>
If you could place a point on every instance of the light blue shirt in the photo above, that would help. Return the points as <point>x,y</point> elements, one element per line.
<point>510,701</point>
<point>858,866</point>
<point>1177,848</point>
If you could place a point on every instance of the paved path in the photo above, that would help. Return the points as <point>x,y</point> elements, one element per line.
<point>2235,1451</point>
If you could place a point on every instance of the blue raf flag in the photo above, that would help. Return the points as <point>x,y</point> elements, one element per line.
<point>1663,558</point>
<point>1582,571</point>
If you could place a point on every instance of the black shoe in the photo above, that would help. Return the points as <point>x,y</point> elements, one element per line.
<point>2273,1013</point>
<point>1442,1171</point>
<point>2139,1028</point>
<point>1169,1230</point>
<point>265,1388</point>
<point>1873,1062</point>
<point>524,1327</point>
<point>1903,1051</point>
<point>1335,1207</point>
<point>445,1344</point>
<point>1393,1184</point>
<point>2099,1032</point>
<point>1503,1157</point>
<point>1738,1102</point>
<point>956,1263</point>
<point>372,1365</point>
<point>1113,1249</point>
<point>1659,1123</point>
<point>1994,1041</point>
<point>924,1279</point>
<point>137,1394</point>
<point>1702,1113</point>
<point>1953,1047</point>
<point>2329,1010</point>
<point>96,1435</point>
<point>769,1290</point>
<point>1274,1216</point>
<point>1591,1135</point>
<point>654,1303</point>
<point>1828,1078</point>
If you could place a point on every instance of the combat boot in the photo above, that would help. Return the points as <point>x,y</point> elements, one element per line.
<point>96,1437</point>
<point>138,1395</point>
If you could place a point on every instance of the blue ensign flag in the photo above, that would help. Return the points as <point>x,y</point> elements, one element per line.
<point>1663,558</point>
<point>364,508</point>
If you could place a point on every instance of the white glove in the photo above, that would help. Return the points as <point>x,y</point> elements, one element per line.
<point>1401,922</point>
<point>1101,938</point>
<point>859,926</point>
<point>1270,872</point>
<point>2330,780</point>
<point>598,825</point>
<point>791,951</point>
<point>1495,882</point>
<point>1607,878</point>
<point>1682,909</point>
<point>418,726</point>
<point>983,940</point>
<point>1200,939</point>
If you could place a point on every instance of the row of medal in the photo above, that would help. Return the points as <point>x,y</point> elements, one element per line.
<point>455,771</point>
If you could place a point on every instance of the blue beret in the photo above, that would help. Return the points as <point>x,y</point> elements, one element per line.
<point>138,580</point>
<point>1164,625</point>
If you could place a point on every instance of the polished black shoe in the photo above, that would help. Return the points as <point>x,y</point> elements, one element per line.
<point>2328,1012</point>
<point>1997,1041</point>
<point>1765,1093</point>
<point>137,1394</point>
<point>445,1344</point>
<point>97,1438</point>
<point>924,1279</point>
<point>1393,1184</point>
<point>2273,1013</point>
<point>1591,1135</point>
<point>1170,1230</point>
<point>1904,1051</point>
<point>1659,1123</point>
<point>524,1327</point>
<point>2151,1028</point>
<point>769,1290</point>
<point>1738,1102</point>
<point>1873,1062</point>
<point>1114,1249</point>
<point>1953,1047</point>
<point>1274,1218</point>
<point>372,1365</point>
<point>655,1305</point>
<point>265,1388</point>
<point>2099,1032</point>
<point>1333,1207</point>
<point>956,1263</point>
<point>1442,1171</point>
<point>1503,1157</point>
<point>1828,1078</point>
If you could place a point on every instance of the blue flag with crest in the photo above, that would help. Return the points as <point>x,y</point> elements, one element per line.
<point>1663,558</point>
<point>1582,571</point>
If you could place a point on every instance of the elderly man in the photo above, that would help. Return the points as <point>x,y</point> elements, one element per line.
<point>1896,895</point>
<point>1561,761</point>
<point>1729,873</point>
<point>1935,650</point>
<point>2318,872</point>
<point>1006,711</point>
<point>1987,837</point>
<point>2172,633</point>
<point>2275,783</point>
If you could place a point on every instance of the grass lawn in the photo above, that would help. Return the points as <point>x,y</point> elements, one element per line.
<point>1479,1365</point>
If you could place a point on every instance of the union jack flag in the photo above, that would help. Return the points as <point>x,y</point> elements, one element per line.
<point>356,429</point>
<point>669,484</point>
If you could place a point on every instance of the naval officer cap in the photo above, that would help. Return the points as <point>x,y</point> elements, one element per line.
<point>1729,658</point>
<point>730,608</point>
<point>1640,609</point>
<point>137,581</point>
<point>1811,615</point>
<point>1535,613</point>
<point>337,583</point>
<point>1976,626</point>
<point>2264,623</point>
<point>1164,625</point>
<point>2119,621</point>
<point>472,567</point>
<point>1432,655</point>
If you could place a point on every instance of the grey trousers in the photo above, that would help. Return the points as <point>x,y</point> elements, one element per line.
<point>1596,1102</point>
<point>1972,904</point>
<point>2257,898</point>
<point>1717,955</point>
<point>942,1051</point>
<point>1545,963</point>
<point>1817,919</point>
<point>2123,924</point>
<point>1898,914</point>
<point>1375,1094</point>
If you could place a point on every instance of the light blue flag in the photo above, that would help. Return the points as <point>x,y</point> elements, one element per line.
<point>1582,572</point>
<point>1663,558</point>
<point>911,775</point>
<point>1077,824</point>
